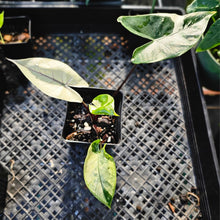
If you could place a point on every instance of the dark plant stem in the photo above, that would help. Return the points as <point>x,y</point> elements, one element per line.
<point>153,6</point>
<point>86,106</point>
<point>1,38</point>
<point>125,80</point>
<point>93,117</point>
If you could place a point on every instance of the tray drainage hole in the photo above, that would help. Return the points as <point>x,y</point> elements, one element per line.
<point>35,148</point>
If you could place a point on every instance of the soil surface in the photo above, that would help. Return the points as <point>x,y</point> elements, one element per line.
<point>16,37</point>
<point>82,128</point>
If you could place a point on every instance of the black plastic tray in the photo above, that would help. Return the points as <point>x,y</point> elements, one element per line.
<point>165,152</point>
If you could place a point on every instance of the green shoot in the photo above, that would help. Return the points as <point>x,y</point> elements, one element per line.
<point>1,24</point>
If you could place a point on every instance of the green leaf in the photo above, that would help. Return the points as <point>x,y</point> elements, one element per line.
<point>186,32</point>
<point>203,5</point>
<point>103,105</point>
<point>100,173</point>
<point>150,26</point>
<point>52,77</point>
<point>1,19</point>
<point>87,2</point>
<point>211,39</point>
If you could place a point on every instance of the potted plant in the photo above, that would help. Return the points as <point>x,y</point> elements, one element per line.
<point>81,127</point>
<point>15,36</point>
<point>172,35</point>
<point>58,80</point>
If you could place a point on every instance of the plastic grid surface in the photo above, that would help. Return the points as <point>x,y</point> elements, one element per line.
<point>153,160</point>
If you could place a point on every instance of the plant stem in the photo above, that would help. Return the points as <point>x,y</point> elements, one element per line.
<point>93,117</point>
<point>124,81</point>
<point>213,19</point>
<point>133,68</point>
<point>153,6</point>
<point>86,106</point>
<point>2,40</point>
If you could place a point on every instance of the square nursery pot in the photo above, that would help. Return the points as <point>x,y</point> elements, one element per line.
<point>16,32</point>
<point>78,124</point>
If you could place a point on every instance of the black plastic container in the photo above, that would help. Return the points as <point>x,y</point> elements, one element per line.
<point>13,25</point>
<point>88,94</point>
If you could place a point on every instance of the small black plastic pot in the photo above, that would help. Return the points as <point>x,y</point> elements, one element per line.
<point>88,94</point>
<point>17,24</point>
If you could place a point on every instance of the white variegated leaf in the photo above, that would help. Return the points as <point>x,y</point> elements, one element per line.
<point>52,77</point>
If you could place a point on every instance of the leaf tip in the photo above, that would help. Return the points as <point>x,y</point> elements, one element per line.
<point>133,60</point>
<point>119,19</point>
<point>115,114</point>
<point>109,206</point>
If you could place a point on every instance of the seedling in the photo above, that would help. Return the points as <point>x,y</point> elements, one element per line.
<point>55,79</point>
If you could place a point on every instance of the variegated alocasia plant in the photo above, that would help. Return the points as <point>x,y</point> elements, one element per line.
<point>170,35</point>
<point>55,79</point>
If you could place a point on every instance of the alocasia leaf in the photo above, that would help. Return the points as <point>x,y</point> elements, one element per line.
<point>52,77</point>
<point>203,5</point>
<point>100,173</point>
<point>148,26</point>
<point>211,38</point>
<point>186,32</point>
<point>1,19</point>
<point>103,105</point>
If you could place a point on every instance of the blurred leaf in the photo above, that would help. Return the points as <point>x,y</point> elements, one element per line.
<point>211,39</point>
<point>1,19</point>
<point>203,5</point>
<point>87,2</point>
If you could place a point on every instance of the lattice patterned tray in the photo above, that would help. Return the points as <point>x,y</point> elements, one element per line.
<point>154,161</point>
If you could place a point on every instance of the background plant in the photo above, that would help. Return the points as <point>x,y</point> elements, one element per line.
<point>171,35</point>
<point>1,24</point>
<point>211,39</point>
